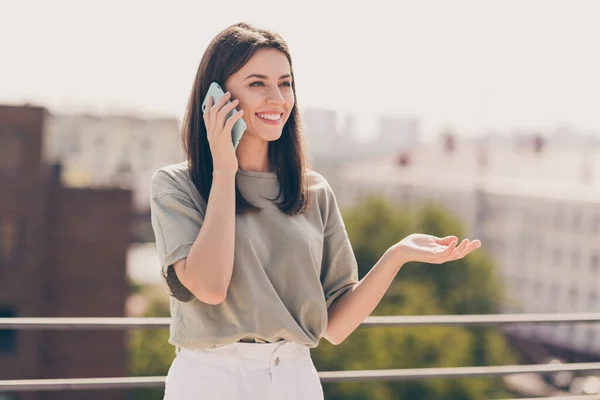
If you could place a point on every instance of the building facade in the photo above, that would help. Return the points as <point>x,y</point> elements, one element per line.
<point>62,254</point>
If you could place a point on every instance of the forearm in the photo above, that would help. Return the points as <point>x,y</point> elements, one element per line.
<point>209,264</point>
<point>351,309</point>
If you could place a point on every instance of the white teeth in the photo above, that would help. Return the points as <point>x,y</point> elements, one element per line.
<point>270,116</point>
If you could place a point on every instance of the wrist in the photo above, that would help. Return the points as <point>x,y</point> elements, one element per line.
<point>223,173</point>
<point>395,257</point>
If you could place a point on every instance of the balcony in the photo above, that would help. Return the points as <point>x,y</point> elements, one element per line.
<point>326,376</point>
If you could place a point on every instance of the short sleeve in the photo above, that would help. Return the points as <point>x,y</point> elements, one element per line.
<point>339,269</point>
<point>176,223</point>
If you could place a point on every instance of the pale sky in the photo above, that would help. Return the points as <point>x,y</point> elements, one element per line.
<point>466,65</point>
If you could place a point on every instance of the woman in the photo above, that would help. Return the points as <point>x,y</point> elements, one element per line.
<point>254,252</point>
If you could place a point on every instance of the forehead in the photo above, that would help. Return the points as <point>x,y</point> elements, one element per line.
<point>270,62</point>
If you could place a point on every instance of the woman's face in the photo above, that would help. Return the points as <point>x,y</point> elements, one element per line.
<point>263,87</point>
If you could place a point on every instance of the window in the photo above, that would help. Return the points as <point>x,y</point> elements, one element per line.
<point>8,337</point>
<point>12,239</point>
<point>596,225</point>
<point>575,259</point>
<point>576,222</point>
<point>593,302</point>
<point>10,154</point>
<point>537,289</point>
<point>100,150</point>
<point>573,297</point>
<point>557,257</point>
<point>554,298</point>
<point>591,337</point>
<point>594,263</point>
<point>8,396</point>
<point>558,220</point>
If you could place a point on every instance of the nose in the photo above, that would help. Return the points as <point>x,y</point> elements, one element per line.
<point>275,97</point>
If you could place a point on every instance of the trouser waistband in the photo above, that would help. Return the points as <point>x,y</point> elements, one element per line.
<point>249,355</point>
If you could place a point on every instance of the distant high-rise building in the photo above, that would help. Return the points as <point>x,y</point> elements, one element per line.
<point>398,133</point>
<point>320,130</point>
<point>62,254</point>
<point>348,129</point>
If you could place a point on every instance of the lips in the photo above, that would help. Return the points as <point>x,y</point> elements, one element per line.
<point>270,121</point>
<point>269,114</point>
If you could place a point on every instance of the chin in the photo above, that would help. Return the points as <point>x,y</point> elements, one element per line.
<point>271,138</point>
<point>266,136</point>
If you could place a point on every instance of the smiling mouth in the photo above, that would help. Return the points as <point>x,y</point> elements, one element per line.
<point>269,117</point>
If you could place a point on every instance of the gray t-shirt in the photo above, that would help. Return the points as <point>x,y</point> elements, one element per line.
<point>287,270</point>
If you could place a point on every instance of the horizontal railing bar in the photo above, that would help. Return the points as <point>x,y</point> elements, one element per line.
<point>578,397</point>
<point>461,372</point>
<point>31,385</point>
<point>326,377</point>
<point>82,323</point>
<point>481,319</point>
<point>77,323</point>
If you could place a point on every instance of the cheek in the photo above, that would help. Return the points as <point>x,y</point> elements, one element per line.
<point>289,99</point>
<point>249,103</point>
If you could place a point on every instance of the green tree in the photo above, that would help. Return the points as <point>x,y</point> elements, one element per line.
<point>150,353</point>
<point>464,286</point>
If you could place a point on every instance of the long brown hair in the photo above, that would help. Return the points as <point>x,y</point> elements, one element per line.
<point>226,54</point>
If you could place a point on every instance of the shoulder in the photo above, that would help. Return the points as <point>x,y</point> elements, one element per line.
<point>173,178</point>
<point>319,187</point>
<point>325,202</point>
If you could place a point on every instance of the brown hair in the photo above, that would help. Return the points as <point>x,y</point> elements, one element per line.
<point>226,54</point>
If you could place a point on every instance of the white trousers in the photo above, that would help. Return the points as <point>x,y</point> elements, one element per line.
<point>248,371</point>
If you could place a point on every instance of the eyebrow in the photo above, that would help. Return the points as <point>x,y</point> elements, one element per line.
<point>265,77</point>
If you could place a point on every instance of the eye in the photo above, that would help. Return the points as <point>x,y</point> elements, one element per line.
<point>259,83</point>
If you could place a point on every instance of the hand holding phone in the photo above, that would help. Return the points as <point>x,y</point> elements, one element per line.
<point>220,117</point>
<point>216,92</point>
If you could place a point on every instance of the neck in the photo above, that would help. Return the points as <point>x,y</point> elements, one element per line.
<point>253,155</point>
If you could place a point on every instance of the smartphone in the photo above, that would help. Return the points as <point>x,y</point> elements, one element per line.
<point>216,92</point>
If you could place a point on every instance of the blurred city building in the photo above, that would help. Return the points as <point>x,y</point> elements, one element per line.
<point>329,143</point>
<point>112,150</point>
<point>62,254</point>
<point>396,134</point>
<point>534,204</point>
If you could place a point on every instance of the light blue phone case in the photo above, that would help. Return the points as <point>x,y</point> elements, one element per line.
<point>239,127</point>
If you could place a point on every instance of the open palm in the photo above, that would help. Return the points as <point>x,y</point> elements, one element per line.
<point>420,247</point>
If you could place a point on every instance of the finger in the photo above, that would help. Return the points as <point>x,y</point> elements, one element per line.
<point>206,114</point>
<point>474,245</point>
<point>230,122</point>
<point>222,115</point>
<point>446,240</point>
<point>220,103</point>
<point>450,249</point>
<point>460,250</point>
<point>214,110</point>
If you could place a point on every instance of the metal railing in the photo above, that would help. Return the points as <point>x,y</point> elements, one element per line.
<point>326,376</point>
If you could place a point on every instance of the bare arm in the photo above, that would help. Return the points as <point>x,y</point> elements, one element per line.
<point>350,310</point>
<point>206,272</point>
